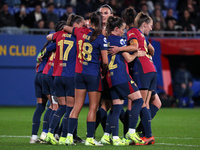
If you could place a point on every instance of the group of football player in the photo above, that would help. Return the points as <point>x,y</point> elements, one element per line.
<point>109,59</point>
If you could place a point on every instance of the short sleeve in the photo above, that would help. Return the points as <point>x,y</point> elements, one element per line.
<point>51,47</point>
<point>103,42</point>
<point>55,35</point>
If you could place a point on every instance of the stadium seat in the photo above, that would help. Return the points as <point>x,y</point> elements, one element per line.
<point>164,13</point>
<point>171,4</point>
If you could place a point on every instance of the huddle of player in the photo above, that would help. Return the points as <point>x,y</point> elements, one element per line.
<point>80,60</point>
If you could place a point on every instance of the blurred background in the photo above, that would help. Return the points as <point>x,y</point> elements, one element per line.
<point>24,25</point>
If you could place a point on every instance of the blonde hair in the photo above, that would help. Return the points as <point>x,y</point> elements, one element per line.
<point>140,18</point>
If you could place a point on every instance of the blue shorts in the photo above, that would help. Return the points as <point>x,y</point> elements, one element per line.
<point>48,86</point>
<point>121,91</point>
<point>64,86</point>
<point>88,82</point>
<point>153,93</point>
<point>146,81</point>
<point>38,85</point>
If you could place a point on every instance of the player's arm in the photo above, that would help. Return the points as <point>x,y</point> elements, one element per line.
<point>68,29</point>
<point>151,49</point>
<point>129,58</point>
<point>130,48</point>
<point>50,37</point>
<point>104,56</point>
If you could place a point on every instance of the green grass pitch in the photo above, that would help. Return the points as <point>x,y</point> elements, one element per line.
<point>173,128</point>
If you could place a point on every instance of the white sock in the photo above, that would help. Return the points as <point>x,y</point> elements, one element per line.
<point>115,137</point>
<point>131,130</point>
<point>69,134</point>
<point>108,134</point>
<point>35,137</point>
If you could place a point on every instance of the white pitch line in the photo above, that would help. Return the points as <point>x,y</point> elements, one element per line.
<point>185,138</point>
<point>15,136</point>
<point>171,144</point>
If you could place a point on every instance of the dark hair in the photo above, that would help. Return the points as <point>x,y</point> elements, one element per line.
<point>59,25</point>
<point>129,16</point>
<point>96,20</point>
<point>113,22</point>
<point>140,18</point>
<point>107,6</point>
<point>74,19</point>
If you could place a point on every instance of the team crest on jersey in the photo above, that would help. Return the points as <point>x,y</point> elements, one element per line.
<point>122,42</point>
<point>105,40</point>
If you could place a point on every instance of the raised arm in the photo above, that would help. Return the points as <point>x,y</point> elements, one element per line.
<point>50,37</point>
<point>68,29</point>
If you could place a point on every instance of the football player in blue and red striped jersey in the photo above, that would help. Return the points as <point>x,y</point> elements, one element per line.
<point>63,71</point>
<point>142,68</point>
<point>41,97</point>
<point>120,82</point>
<point>91,46</point>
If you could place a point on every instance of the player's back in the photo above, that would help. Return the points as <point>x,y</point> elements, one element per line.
<point>65,59</point>
<point>89,53</point>
<point>141,64</point>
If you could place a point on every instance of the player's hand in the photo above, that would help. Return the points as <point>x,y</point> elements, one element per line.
<point>113,50</point>
<point>141,53</point>
<point>40,58</point>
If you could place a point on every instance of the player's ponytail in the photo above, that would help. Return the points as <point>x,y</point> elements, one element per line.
<point>141,18</point>
<point>74,19</point>
<point>96,20</point>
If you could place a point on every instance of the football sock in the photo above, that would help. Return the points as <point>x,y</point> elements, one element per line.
<point>114,123</point>
<point>121,117</point>
<point>107,128</point>
<point>90,129</point>
<point>75,130</point>
<point>103,122</point>
<point>101,114</point>
<point>56,118</point>
<point>51,115</point>
<point>72,123</point>
<point>154,110</point>
<point>149,112</point>
<point>134,113</point>
<point>46,120</point>
<point>36,118</point>
<point>126,121</point>
<point>65,121</point>
<point>146,122</point>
